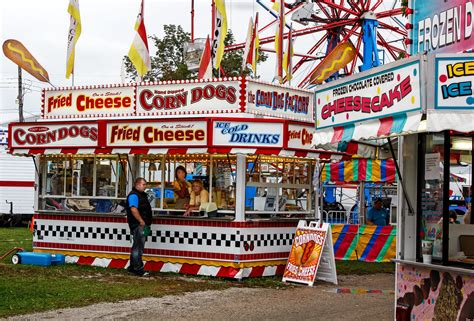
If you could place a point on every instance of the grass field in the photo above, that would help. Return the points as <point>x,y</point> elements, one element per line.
<point>27,289</point>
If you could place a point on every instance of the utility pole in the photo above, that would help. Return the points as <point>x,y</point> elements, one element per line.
<point>20,96</point>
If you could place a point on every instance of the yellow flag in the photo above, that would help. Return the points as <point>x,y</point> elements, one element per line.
<point>139,54</point>
<point>220,32</point>
<point>287,57</point>
<point>74,33</point>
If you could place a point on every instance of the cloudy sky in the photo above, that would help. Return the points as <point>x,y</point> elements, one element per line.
<point>107,33</point>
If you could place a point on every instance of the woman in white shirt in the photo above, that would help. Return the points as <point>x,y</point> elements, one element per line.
<point>198,196</point>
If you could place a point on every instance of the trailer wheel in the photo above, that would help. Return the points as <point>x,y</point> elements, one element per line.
<point>16,259</point>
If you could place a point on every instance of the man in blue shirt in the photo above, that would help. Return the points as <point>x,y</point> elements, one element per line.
<point>377,215</point>
<point>139,216</point>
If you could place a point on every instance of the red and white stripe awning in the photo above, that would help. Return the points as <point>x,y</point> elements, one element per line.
<point>316,154</point>
<point>405,123</point>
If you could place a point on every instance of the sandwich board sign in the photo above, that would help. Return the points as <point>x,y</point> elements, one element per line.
<point>312,255</point>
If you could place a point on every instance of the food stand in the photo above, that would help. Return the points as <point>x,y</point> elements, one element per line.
<point>250,143</point>
<point>434,125</point>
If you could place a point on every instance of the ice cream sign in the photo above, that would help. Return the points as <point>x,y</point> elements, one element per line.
<point>383,92</point>
<point>247,134</point>
<point>454,82</point>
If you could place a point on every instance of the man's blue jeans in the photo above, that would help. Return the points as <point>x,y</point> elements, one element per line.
<point>138,245</point>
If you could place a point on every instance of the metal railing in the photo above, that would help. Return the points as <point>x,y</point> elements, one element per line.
<point>341,217</point>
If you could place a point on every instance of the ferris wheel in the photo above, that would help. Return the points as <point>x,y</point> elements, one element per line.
<point>323,30</point>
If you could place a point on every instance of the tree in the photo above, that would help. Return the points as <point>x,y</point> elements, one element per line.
<point>168,62</point>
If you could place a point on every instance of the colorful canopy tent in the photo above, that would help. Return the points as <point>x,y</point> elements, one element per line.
<point>359,170</point>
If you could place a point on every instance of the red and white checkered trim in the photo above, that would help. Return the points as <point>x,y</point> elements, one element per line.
<point>182,268</point>
<point>174,151</point>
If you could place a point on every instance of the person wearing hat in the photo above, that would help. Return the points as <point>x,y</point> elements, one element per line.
<point>377,215</point>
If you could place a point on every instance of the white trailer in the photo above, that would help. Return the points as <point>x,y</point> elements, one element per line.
<point>17,185</point>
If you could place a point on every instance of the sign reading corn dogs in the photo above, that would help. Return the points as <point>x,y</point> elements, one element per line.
<point>310,245</point>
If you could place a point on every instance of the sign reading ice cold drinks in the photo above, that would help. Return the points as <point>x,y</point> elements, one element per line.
<point>157,134</point>
<point>387,92</point>
<point>454,82</point>
<point>247,134</point>
<point>94,102</point>
<point>44,135</point>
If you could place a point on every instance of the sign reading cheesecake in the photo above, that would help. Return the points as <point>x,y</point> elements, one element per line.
<point>148,134</point>
<point>277,101</point>
<point>41,135</point>
<point>382,92</point>
<point>188,98</point>
<point>91,102</point>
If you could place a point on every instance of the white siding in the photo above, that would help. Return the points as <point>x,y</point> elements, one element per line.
<point>16,168</point>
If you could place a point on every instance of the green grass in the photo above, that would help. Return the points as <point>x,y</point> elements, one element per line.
<point>11,237</point>
<point>363,268</point>
<point>28,289</point>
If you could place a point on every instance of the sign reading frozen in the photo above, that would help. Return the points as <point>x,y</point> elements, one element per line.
<point>276,101</point>
<point>382,92</point>
<point>247,134</point>
<point>454,81</point>
<point>441,26</point>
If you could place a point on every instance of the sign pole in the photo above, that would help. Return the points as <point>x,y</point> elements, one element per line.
<point>20,96</point>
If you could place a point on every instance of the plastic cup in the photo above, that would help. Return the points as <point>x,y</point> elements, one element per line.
<point>427,258</point>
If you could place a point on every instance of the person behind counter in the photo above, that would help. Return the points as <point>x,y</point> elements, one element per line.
<point>139,217</point>
<point>377,215</point>
<point>198,196</point>
<point>181,188</point>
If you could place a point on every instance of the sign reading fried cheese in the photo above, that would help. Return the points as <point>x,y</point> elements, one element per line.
<point>153,134</point>
<point>94,102</point>
<point>310,245</point>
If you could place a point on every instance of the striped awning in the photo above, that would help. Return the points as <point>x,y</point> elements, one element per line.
<point>401,124</point>
<point>360,170</point>
<point>316,154</point>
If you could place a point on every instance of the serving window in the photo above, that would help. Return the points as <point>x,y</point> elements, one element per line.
<point>85,183</point>
<point>215,174</point>
<point>444,206</point>
<point>278,186</point>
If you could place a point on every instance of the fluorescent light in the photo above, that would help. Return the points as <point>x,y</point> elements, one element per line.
<point>462,144</point>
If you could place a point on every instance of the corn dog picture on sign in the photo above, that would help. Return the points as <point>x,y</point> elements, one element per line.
<point>310,245</point>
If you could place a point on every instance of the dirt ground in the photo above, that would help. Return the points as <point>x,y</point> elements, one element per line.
<point>321,302</point>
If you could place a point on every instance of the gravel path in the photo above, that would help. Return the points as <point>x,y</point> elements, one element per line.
<point>320,302</point>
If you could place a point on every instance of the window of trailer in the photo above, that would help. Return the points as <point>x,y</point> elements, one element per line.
<point>87,183</point>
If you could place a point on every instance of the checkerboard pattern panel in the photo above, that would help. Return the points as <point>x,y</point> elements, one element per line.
<point>166,236</point>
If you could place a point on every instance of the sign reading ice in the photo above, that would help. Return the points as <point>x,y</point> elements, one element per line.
<point>382,92</point>
<point>247,134</point>
<point>454,78</point>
